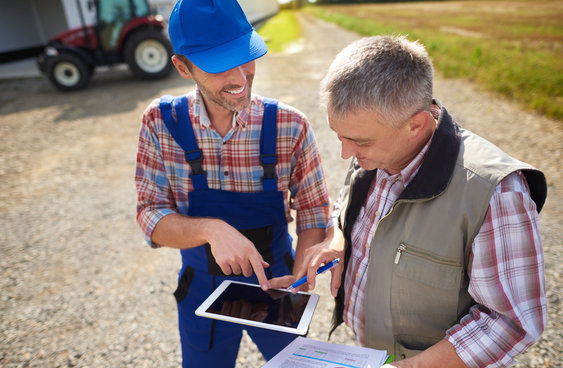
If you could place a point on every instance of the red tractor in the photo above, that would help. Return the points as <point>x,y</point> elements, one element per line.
<point>125,32</point>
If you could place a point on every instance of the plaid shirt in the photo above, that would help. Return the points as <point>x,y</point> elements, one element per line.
<point>506,281</point>
<point>506,271</point>
<point>231,163</point>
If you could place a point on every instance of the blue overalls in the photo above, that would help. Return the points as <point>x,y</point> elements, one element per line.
<point>259,216</point>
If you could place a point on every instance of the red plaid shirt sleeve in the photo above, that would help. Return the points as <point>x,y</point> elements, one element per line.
<point>308,195</point>
<point>506,280</point>
<point>154,195</point>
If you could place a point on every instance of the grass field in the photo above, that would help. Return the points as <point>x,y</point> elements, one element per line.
<point>513,48</point>
<point>280,31</point>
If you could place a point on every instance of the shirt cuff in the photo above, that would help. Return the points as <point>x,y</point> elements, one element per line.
<point>312,218</point>
<point>151,219</point>
<point>475,347</point>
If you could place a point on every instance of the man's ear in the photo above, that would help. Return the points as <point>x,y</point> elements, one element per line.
<point>181,67</point>
<point>419,124</point>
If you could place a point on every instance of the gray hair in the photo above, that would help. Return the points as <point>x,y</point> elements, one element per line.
<point>385,74</point>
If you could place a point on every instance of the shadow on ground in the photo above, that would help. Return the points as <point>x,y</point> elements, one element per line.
<point>109,92</point>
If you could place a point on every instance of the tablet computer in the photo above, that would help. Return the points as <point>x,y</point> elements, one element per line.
<point>248,304</point>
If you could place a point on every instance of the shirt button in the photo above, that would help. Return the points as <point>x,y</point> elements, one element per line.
<point>351,302</point>
<point>357,275</point>
<point>226,173</point>
<point>367,245</point>
<point>377,213</point>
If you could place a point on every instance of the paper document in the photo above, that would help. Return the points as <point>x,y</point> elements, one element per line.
<point>307,353</point>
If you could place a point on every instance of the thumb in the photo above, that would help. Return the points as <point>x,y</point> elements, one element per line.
<point>335,281</point>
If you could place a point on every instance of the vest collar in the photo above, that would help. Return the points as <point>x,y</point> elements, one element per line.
<point>437,169</point>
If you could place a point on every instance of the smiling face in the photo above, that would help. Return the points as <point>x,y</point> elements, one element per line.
<point>228,91</point>
<point>377,145</point>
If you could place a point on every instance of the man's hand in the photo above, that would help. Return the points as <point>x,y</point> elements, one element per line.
<point>441,354</point>
<point>324,256</point>
<point>282,282</point>
<point>329,249</point>
<point>234,253</point>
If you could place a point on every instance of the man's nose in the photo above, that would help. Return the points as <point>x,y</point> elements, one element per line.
<point>346,150</point>
<point>237,75</point>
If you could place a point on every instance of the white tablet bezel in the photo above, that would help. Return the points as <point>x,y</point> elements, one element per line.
<point>301,328</point>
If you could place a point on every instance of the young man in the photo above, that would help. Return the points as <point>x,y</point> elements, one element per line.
<point>443,262</point>
<point>218,171</point>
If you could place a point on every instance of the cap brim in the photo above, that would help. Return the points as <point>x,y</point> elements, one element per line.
<point>231,54</point>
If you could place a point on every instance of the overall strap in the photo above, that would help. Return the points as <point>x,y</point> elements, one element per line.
<point>268,139</point>
<point>183,134</point>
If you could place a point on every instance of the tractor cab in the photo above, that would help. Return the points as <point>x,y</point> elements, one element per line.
<point>125,31</point>
<point>113,16</point>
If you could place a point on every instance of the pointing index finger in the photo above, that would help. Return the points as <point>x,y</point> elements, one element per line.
<point>257,263</point>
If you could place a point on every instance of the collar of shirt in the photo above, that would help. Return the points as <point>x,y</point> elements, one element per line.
<point>240,118</point>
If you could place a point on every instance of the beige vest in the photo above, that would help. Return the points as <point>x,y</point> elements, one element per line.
<point>417,275</point>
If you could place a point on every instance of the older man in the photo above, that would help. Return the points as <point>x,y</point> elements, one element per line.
<point>440,232</point>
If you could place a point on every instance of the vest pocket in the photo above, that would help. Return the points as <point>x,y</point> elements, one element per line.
<point>424,296</point>
<point>402,352</point>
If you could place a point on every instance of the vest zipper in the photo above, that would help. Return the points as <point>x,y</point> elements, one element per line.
<point>403,248</point>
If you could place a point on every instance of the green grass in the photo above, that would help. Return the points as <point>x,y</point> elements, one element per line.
<point>280,31</point>
<point>518,54</point>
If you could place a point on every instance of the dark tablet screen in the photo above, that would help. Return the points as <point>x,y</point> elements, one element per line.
<point>248,302</point>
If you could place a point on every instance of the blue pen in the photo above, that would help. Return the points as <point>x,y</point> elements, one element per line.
<point>321,269</point>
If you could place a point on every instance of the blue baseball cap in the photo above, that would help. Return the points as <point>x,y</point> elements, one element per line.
<point>214,34</point>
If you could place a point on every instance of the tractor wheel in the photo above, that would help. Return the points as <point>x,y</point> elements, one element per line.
<point>148,54</point>
<point>68,72</point>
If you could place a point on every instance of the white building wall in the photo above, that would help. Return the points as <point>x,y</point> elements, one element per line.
<point>255,10</point>
<point>259,10</point>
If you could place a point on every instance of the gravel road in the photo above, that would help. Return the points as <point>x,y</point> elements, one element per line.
<point>79,286</point>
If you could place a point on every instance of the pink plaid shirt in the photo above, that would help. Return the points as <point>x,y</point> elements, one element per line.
<point>506,271</point>
<point>231,163</point>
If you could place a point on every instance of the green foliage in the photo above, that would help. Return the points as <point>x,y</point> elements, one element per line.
<point>365,27</point>
<point>508,54</point>
<point>280,31</point>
